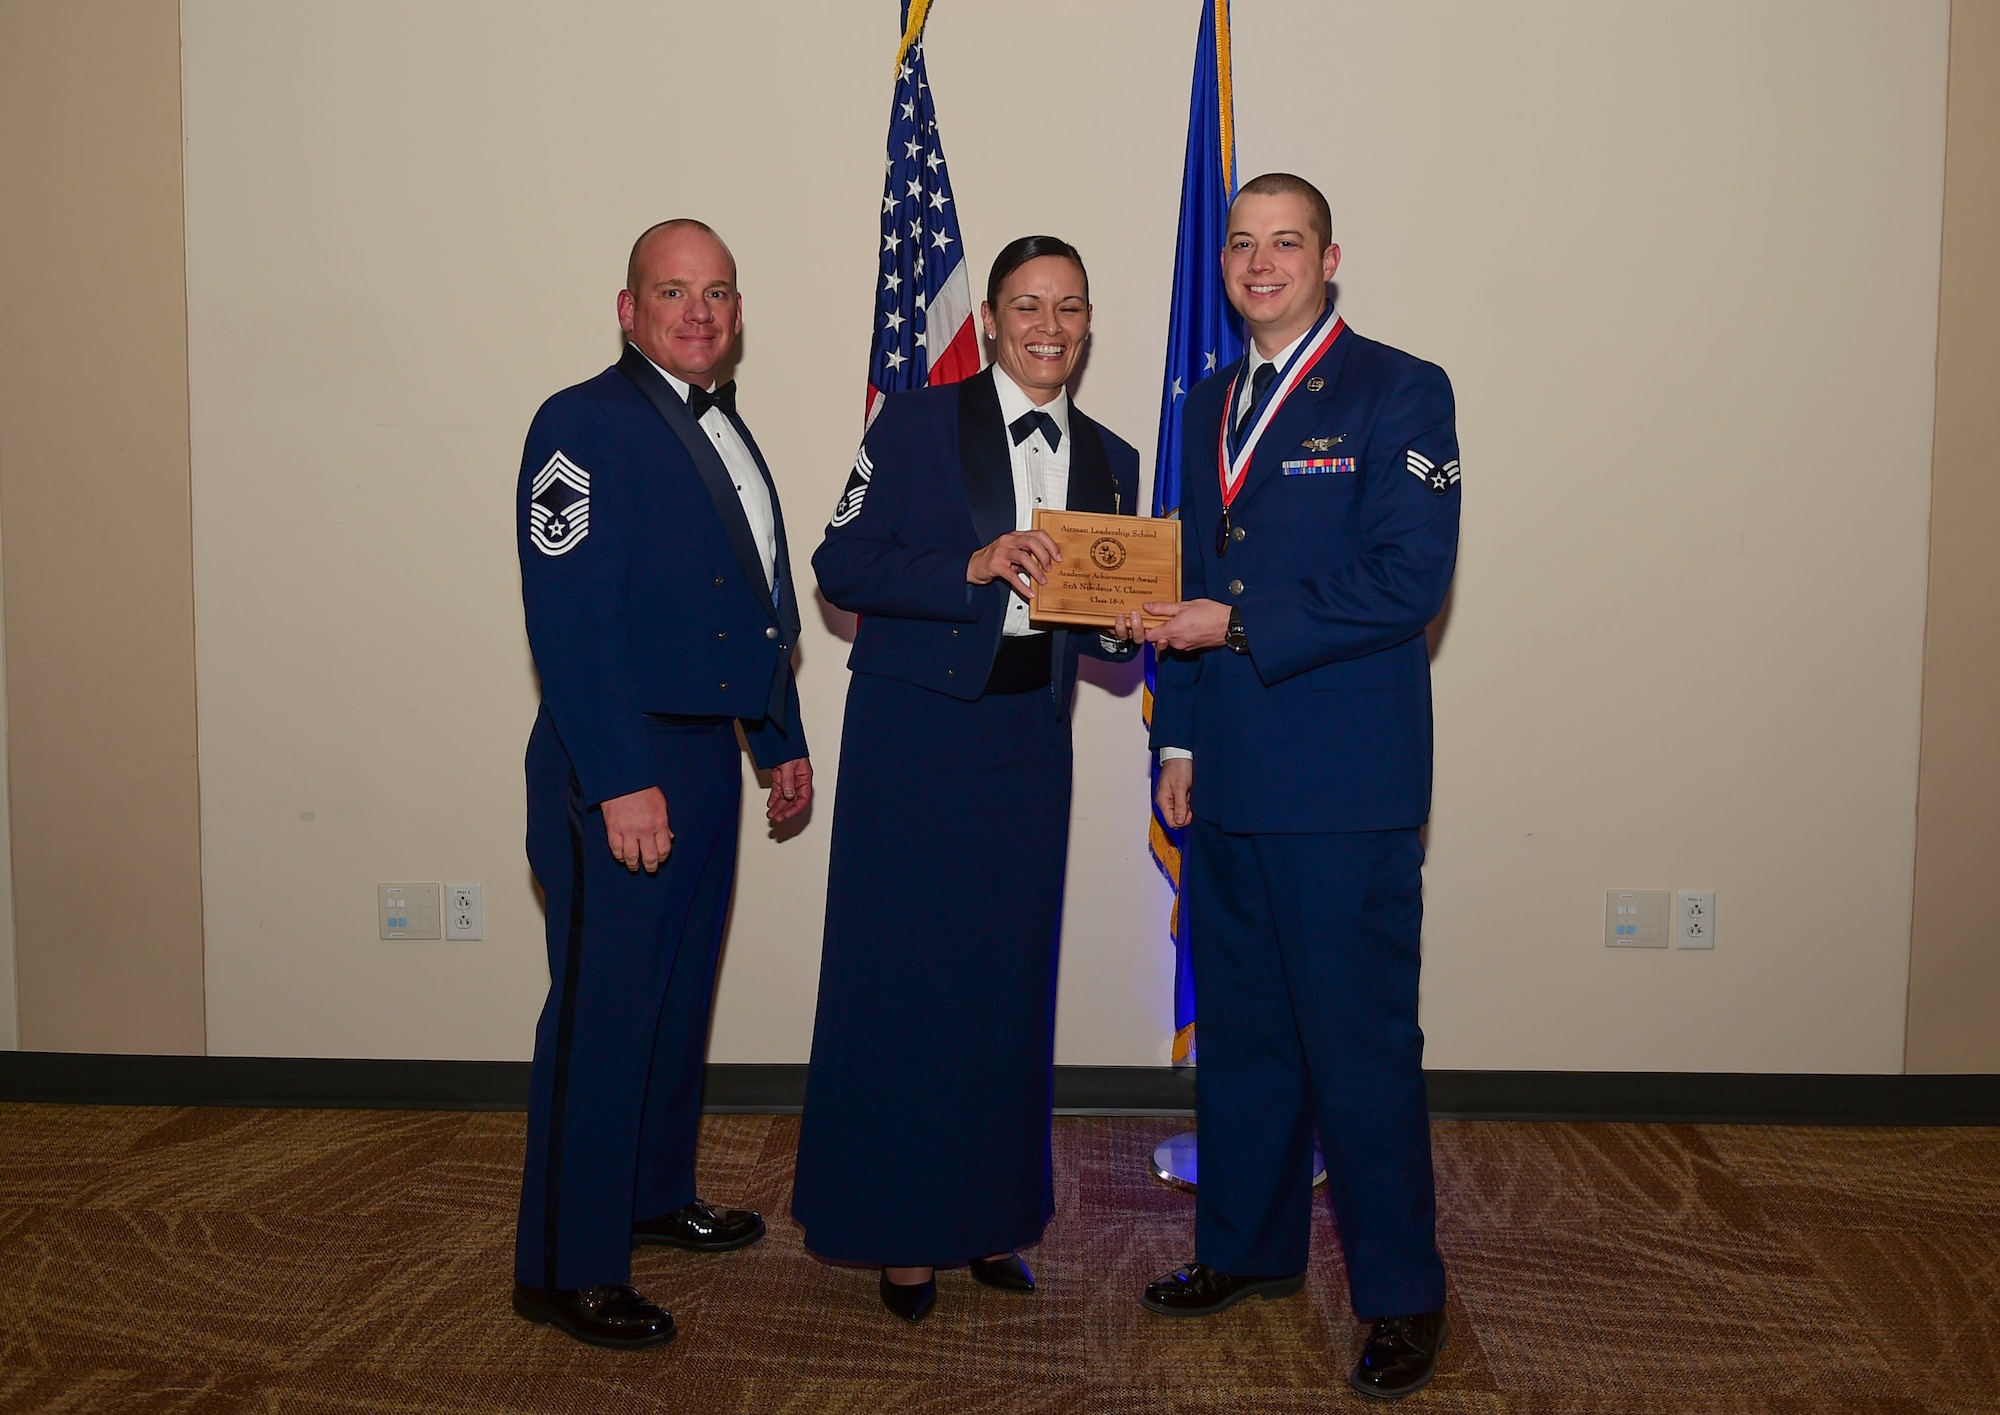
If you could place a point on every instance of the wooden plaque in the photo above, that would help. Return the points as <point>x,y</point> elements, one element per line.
<point>1109,564</point>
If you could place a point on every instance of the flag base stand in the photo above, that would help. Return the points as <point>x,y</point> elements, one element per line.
<point>1174,1162</point>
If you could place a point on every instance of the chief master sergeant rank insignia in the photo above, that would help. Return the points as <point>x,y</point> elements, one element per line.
<point>559,506</point>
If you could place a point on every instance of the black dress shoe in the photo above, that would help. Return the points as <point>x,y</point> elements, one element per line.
<point>1198,1290</point>
<point>617,1317</point>
<point>1401,1355</point>
<point>912,1301</point>
<point>700,1228</point>
<point>1009,1274</point>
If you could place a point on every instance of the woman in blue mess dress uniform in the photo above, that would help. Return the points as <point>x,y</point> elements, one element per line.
<point>925,1140</point>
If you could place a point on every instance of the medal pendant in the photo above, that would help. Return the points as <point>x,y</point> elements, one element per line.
<point>1222,531</point>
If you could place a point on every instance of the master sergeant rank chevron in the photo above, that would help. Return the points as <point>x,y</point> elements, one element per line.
<point>559,506</point>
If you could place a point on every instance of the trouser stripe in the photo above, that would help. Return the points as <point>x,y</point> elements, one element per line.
<point>565,1036</point>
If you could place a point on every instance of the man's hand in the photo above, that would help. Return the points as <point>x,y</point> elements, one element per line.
<point>1176,791</point>
<point>791,790</point>
<point>636,826</point>
<point>1129,626</point>
<point>1193,624</point>
<point>1010,558</point>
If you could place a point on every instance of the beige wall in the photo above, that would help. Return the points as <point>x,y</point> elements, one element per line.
<point>1680,259</point>
<point>94,518</point>
<point>1954,1020</point>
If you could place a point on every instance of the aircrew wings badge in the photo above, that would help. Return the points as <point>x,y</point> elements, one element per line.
<point>1439,479</point>
<point>559,506</point>
<point>849,505</point>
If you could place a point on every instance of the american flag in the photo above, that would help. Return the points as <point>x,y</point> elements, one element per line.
<point>924,333</point>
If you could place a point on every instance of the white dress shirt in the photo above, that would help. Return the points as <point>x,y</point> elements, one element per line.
<point>1250,367</point>
<point>743,475</point>
<point>1041,473</point>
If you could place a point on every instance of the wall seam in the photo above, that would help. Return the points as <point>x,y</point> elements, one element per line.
<point>1930,549</point>
<point>194,567</point>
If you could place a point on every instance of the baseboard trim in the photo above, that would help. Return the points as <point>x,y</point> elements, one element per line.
<point>75,1078</point>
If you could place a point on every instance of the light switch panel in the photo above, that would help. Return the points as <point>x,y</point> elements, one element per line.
<point>408,910</point>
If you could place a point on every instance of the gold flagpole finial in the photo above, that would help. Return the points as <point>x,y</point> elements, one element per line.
<point>918,10</point>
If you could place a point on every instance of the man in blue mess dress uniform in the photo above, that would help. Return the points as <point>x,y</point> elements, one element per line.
<point>662,615</point>
<point>1319,531</point>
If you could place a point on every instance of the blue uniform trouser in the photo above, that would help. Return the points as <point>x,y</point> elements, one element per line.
<point>1305,953</point>
<point>614,1104</point>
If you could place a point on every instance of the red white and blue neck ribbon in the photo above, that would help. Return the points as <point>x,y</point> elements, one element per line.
<point>1231,471</point>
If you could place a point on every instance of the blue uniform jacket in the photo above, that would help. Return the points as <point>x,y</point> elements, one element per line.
<point>643,587</point>
<point>1349,524</point>
<point>933,483</point>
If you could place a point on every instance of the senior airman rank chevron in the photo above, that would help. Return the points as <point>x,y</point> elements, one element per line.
<point>849,505</point>
<point>559,506</point>
<point>1438,479</point>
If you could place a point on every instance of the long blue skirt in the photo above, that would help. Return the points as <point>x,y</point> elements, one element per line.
<point>925,1140</point>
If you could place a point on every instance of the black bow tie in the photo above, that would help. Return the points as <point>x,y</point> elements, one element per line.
<point>700,400</point>
<point>1024,427</point>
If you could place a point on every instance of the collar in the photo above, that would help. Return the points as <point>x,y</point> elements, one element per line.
<point>679,385</point>
<point>1013,402</point>
<point>1250,366</point>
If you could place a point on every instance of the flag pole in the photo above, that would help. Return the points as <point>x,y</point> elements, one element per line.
<point>1202,338</point>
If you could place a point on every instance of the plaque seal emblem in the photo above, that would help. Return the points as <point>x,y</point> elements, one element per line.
<point>1106,553</point>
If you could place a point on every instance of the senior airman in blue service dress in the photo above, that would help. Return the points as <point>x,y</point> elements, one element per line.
<point>661,613</point>
<point>925,1141</point>
<point>1319,523</point>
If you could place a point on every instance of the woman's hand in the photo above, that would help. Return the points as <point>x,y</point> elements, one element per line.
<point>1021,558</point>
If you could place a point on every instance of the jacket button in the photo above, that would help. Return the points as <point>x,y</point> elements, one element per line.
<point>1236,587</point>
<point>951,673</point>
<point>954,633</point>
<point>718,579</point>
<point>722,685</point>
<point>770,633</point>
<point>1238,533</point>
<point>723,635</point>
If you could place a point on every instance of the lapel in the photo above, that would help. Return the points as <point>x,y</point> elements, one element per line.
<point>1298,417</point>
<point>982,458</point>
<point>1205,436</point>
<point>1091,485</point>
<point>788,601</point>
<point>707,462</point>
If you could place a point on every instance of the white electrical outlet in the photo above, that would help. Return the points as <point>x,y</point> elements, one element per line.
<point>1636,918</point>
<point>463,915</point>
<point>407,910</point>
<point>1694,918</point>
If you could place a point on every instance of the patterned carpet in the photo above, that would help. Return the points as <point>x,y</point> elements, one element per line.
<point>230,1261</point>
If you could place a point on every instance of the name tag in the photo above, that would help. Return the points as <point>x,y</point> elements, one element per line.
<point>1317,466</point>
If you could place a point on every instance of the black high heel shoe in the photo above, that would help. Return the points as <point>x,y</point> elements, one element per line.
<point>911,1301</point>
<point>1009,1274</point>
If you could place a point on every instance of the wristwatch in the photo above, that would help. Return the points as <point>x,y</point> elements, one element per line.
<point>1234,639</point>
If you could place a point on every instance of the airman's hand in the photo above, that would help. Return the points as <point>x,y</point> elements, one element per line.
<point>1176,791</point>
<point>791,790</point>
<point>1192,624</point>
<point>636,827</point>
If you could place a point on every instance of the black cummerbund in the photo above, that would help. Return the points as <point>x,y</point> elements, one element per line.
<point>1021,666</point>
